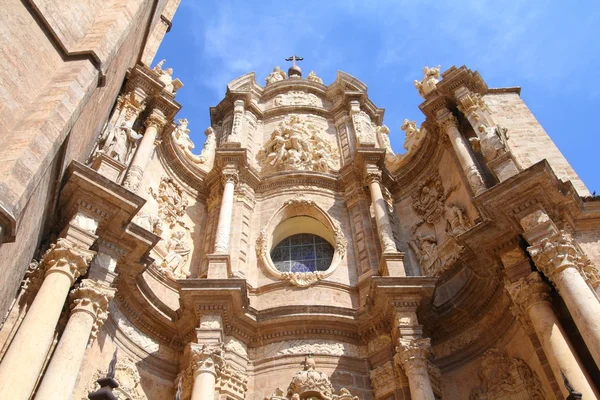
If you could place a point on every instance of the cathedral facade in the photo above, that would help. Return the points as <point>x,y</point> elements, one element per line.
<point>294,255</point>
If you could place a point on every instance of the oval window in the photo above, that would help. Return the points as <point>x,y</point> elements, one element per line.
<point>303,252</point>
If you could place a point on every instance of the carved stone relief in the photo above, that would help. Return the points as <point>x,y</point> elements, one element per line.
<point>311,384</point>
<point>506,378</point>
<point>175,252</point>
<point>165,76</point>
<point>413,135</point>
<point>275,76</point>
<point>172,202</point>
<point>296,98</point>
<point>144,341</point>
<point>301,347</point>
<point>297,144</point>
<point>128,377</point>
<point>312,76</point>
<point>181,137</point>
<point>363,127</point>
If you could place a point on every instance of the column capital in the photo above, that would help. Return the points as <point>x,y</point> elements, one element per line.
<point>528,291</point>
<point>206,359</point>
<point>229,175</point>
<point>67,258</point>
<point>446,120</point>
<point>93,298</point>
<point>373,175</point>
<point>413,355</point>
<point>156,119</point>
<point>553,255</point>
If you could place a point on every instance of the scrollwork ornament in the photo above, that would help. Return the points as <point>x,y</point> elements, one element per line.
<point>228,176</point>
<point>340,239</point>
<point>205,358</point>
<point>373,175</point>
<point>155,120</point>
<point>303,279</point>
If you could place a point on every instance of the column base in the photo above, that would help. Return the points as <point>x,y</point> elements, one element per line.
<point>392,264</point>
<point>219,266</point>
<point>108,167</point>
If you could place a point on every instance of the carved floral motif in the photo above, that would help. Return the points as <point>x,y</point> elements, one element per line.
<point>297,144</point>
<point>413,355</point>
<point>68,258</point>
<point>506,378</point>
<point>303,279</point>
<point>91,297</point>
<point>431,77</point>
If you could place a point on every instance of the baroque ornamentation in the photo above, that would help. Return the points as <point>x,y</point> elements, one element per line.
<point>165,76</point>
<point>457,221</point>
<point>128,377</point>
<point>383,379</point>
<point>428,200</point>
<point>181,137</point>
<point>91,297</point>
<point>527,291</point>
<point>413,135</point>
<point>413,355</point>
<point>297,144</point>
<point>175,252</point>
<point>303,279</point>
<point>504,377</point>
<point>363,127</point>
<point>275,76</point>
<point>431,77</point>
<point>491,141</point>
<point>312,76</point>
<point>172,201</point>
<point>296,98</point>
<point>121,141</point>
<point>553,255</point>
<point>67,258</point>
<point>206,358</point>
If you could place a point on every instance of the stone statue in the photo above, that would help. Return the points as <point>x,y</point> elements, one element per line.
<point>120,143</point>
<point>165,76</point>
<point>457,221</point>
<point>312,76</point>
<point>431,76</point>
<point>383,136</point>
<point>425,247</point>
<point>181,136</point>
<point>178,252</point>
<point>413,134</point>
<point>275,76</point>
<point>491,141</point>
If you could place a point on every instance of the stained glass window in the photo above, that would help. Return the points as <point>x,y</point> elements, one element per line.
<point>304,252</point>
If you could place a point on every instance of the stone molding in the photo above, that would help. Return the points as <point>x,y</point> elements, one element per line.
<point>528,291</point>
<point>553,255</point>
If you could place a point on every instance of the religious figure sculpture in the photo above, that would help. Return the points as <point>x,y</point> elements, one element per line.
<point>181,136</point>
<point>296,145</point>
<point>425,247</point>
<point>457,221</point>
<point>431,76</point>
<point>312,76</point>
<point>178,252</point>
<point>120,142</point>
<point>275,76</point>
<point>165,76</point>
<point>491,142</point>
<point>171,200</point>
<point>413,134</point>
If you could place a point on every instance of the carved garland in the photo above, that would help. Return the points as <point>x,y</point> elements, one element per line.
<point>300,206</point>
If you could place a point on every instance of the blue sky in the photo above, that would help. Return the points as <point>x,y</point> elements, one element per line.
<point>549,48</point>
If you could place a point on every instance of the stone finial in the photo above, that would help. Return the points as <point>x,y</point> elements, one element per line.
<point>275,76</point>
<point>312,76</point>
<point>431,77</point>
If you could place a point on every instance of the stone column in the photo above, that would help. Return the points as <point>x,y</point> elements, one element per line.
<point>413,356</point>
<point>559,258</point>
<point>206,361</point>
<point>449,125</point>
<point>88,312</point>
<point>64,263</point>
<point>381,214</point>
<point>230,179</point>
<point>491,139</point>
<point>154,124</point>
<point>531,295</point>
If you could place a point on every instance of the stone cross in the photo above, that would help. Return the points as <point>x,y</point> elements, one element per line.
<point>293,59</point>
